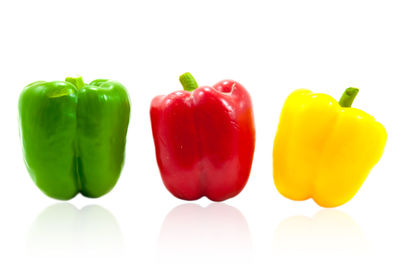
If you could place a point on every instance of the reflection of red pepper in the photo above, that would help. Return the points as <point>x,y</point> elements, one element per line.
<point>204,139</point>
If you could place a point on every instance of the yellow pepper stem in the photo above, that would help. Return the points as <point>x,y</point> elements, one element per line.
<point>348,97</point>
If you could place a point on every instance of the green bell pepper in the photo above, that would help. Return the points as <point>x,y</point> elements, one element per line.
<point>73,135</point>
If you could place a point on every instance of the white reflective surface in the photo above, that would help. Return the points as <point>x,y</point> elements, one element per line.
<point>63,230</point>
<point>217,234</point>
<point>328,231</point>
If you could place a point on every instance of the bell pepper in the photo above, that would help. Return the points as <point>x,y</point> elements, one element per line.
<point>324,149</point>
<point>73,135</point>
<point>204,139</point>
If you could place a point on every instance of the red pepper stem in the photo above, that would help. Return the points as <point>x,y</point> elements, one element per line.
<point>77,81</point>
<point>188,82</point>
<point>348,97</point>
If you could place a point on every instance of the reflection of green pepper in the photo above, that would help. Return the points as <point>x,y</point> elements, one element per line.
<point>74,134</point>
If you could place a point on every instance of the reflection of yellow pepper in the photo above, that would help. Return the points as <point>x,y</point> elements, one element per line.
<point>324,149</point>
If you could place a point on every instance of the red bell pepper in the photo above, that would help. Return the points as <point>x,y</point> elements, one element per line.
<point>204,139</point>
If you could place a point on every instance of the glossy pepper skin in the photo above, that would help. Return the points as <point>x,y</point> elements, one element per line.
<point>323,149</point>
<point>204,139</point>
<point>73,135</point>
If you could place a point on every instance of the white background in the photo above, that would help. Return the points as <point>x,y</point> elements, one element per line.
<point>272,48</point>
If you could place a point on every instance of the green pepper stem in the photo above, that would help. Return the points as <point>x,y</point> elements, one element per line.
<point>77,81</point>
<point>348,97</point>
<point>188,82</point>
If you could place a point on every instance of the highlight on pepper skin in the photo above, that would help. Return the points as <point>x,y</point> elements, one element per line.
<point>204,139</point>
<point>324,149</point>
<point>73,135</point>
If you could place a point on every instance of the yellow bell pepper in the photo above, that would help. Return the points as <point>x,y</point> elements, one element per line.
<point>324,149</point>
